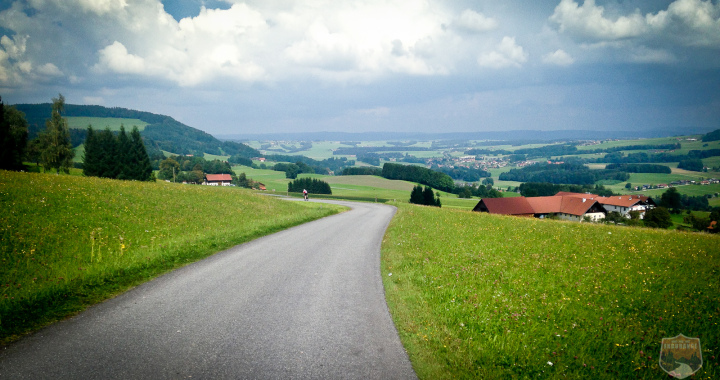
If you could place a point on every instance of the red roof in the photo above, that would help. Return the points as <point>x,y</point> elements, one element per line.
<point>537,205</point>
<point>576,206</point>
<point>545,205</point>
<point>620,200</point>
<point>218,177</point>
<point>508,206</point>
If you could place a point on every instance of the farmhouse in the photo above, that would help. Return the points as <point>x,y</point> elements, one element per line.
<point>623,204</point>
<point>217,180</point>
<point>564,207</point>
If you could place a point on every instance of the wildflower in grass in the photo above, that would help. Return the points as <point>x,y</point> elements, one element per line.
<point>550,363</point>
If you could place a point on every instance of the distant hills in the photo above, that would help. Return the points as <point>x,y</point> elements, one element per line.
<point>522,136</point>
<point>161,133</point>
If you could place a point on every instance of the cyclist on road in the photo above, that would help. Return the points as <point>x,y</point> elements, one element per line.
<point>305,194</point>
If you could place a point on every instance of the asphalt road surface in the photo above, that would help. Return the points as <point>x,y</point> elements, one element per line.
<point>305,303</point>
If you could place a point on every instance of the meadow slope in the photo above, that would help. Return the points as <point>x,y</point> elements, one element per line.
<point>67,242</point>
<point>485,296</point>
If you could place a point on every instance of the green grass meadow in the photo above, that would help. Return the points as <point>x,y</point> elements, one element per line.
<point>67,241</point>
<point>495,297</point>
<point>100,123</point>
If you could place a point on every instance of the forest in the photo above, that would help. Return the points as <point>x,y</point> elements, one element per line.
<point>565,173</point>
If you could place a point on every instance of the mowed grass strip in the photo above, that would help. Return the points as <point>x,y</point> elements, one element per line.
<point>494,297</point>
<point>67,242</point>
<point>100,123</point>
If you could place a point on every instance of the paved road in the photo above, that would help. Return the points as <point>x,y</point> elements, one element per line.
<point>305,303</point>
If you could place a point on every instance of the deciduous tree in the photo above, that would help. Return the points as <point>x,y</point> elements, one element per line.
<point>57,152</point>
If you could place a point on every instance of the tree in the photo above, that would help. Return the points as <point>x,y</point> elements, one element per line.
<point>628,185</point>
<point>424,197</point>
<point>93,154</point>
<point>416,195</point>
<point>466,192</point>
<point>169,168</point>
<point>671,199</point>
<point>141,170</point>
<point>488,181</point>
<point>123,158</point>
<point>107,164</point>
<point>13,137</point>
<point>692,164</point>
<point>57,152</point>
<point>614,217</point>
<point>658,217</point>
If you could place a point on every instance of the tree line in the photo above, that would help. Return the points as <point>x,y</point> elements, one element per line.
<point>116,156</point>
<point>312,185</point>
<point>565,173</point>
<point>463,173</point>
<point>536,189</point>
<point>418,174</point>
<point>640,168</point>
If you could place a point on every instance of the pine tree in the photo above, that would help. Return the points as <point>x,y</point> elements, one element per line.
<point>93,154</point>
<point>428,196</point>
<point>57,152</point>
<point>416,196</point>
<point>124,157</point>
<point>142,169</point>
<point>107,144</point>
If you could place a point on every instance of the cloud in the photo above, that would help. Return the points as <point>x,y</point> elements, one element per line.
<point>684,23</point>
<point>475,22</point>
<point>558,57</point>
<point>49,70</point>
<point>116,58</point>
<point>588,21</point>
<point>507,54</point>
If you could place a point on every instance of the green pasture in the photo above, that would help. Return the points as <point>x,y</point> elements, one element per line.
<point>100,123</point>
<point>210,157</point>
<point>68,241</point>
<point>495,297</point>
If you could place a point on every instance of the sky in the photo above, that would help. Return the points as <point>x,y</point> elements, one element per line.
<point>275,66</point>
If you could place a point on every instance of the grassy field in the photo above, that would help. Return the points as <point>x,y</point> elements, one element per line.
<point>494,297</point>
<point>100,123</point>
<point>354,187</point>
<point>68,241</point>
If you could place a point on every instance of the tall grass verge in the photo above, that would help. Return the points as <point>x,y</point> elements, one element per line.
<point>494,297</point>
<point>67,242</point>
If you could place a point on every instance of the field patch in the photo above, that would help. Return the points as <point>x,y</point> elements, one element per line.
<point>99,123</point>
<point>495,297</point>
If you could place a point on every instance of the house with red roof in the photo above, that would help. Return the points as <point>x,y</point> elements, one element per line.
<point>217,180</point>
<point>564,207</point>
<point>623,204</point>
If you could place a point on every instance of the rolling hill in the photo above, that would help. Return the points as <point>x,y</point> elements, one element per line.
<point>160,132</point>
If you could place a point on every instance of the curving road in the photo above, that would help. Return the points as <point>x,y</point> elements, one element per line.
<point>305,303</point>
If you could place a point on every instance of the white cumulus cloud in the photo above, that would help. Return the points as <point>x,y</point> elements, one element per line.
<point>507,54</point>
<point>685,23</point>
<point>115,57</point>
<point>475,21</point>
<point>558,57</point>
